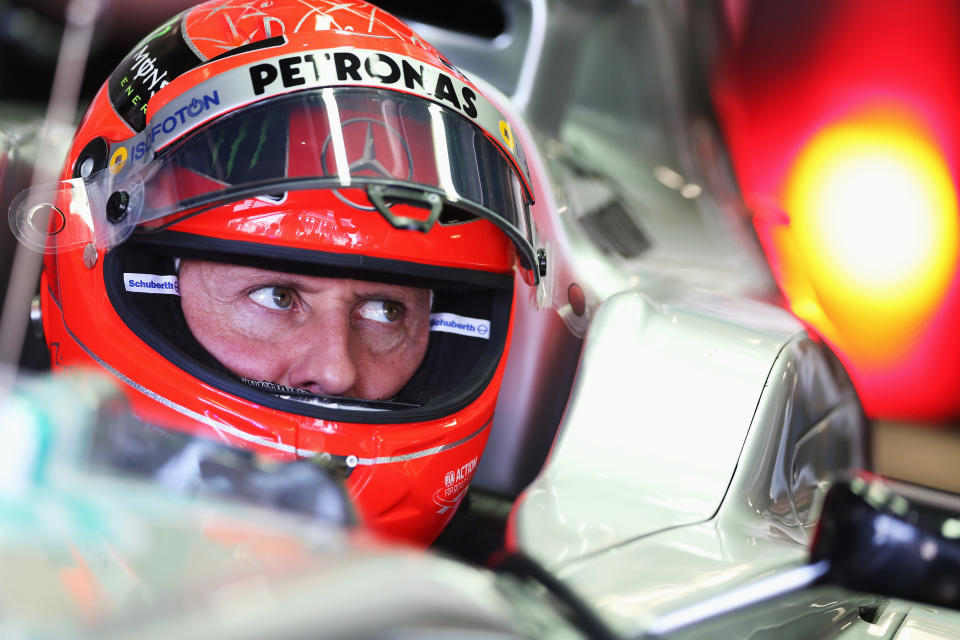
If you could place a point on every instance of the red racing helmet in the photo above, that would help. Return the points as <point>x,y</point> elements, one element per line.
<point>325,140</point>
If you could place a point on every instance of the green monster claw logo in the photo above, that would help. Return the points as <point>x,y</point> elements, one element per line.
<point>240,140</point>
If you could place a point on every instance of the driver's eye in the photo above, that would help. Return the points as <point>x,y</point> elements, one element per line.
<point>278,298</point>
<point>386,311</point>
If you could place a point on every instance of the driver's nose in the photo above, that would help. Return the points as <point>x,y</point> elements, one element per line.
<point>322,362</point>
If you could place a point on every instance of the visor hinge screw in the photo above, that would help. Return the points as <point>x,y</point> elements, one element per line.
<point>117,206</point>
<point>542,262</point>
<point>36,318</point>
<point>90,256</point>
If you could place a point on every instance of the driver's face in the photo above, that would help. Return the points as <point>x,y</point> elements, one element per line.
<point>327,335</point>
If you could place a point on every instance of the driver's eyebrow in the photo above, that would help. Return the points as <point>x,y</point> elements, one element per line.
<point>381,290</point>
<point>255,275</point>
<point>252,276</point>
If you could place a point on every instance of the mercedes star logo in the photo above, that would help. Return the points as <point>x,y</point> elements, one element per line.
<point>361,136</point>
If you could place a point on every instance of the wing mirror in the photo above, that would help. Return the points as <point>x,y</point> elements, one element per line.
<point>891,538</point>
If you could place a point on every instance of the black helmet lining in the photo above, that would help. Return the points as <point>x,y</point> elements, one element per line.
<point>454,371</point>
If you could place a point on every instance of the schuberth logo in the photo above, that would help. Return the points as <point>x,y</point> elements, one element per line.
<point>151,283</point>
<point>452,323</point>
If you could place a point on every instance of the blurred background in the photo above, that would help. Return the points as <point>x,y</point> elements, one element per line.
<point>842,118</point>
<point>842,121</point>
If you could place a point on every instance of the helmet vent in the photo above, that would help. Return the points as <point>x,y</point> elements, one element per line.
<point>614,230</point>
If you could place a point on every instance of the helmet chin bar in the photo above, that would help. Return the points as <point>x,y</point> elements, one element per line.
<point>382,196</point>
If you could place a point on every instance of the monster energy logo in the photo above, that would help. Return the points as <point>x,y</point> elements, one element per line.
<point>153,63</point>
<point>145,71</point>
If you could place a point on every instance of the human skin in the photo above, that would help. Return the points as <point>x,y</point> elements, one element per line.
<point>330,336</point>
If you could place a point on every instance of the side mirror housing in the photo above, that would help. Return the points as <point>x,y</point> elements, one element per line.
<point>891,538</point>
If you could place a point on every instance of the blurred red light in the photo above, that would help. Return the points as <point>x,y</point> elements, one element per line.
<point>867,90</point>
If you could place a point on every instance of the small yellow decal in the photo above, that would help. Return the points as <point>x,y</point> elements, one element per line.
<point>117,160</point>
<point>507,134</point>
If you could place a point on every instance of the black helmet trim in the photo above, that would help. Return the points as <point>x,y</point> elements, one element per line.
<point>312,262</point>
<point>454,372</point>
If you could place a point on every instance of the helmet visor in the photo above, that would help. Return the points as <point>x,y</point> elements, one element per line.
<point>398,147</point>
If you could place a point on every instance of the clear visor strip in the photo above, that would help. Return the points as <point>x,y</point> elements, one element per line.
<point>327,68</point>
<point>105,207</point>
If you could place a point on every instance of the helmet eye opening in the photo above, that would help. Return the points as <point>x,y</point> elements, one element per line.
<point>454,371</point>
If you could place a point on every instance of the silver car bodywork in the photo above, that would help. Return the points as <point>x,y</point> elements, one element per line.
<point>704,424</point>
